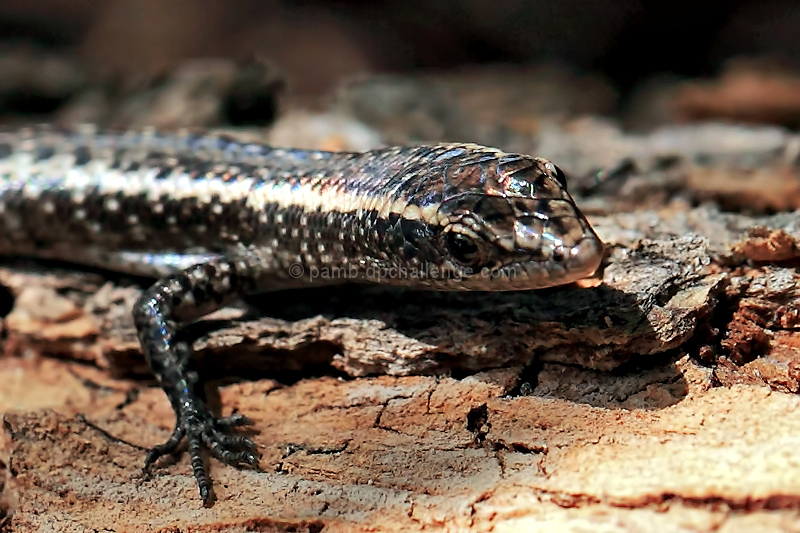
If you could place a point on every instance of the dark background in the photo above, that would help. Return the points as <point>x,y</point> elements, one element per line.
<point>631,45</point>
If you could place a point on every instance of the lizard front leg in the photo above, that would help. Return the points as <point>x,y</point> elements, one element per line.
<point>159,312</point>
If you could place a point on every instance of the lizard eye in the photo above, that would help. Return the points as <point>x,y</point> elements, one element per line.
<point>463,248</point>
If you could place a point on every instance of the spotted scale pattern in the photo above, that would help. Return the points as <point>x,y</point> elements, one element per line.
<point>213,219</point>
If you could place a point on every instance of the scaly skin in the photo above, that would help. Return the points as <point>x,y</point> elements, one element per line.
<point>214,219</point>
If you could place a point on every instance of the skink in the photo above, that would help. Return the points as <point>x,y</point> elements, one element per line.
<point>213,219</point>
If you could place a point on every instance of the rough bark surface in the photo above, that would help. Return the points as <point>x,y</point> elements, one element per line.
<point>659,395</point>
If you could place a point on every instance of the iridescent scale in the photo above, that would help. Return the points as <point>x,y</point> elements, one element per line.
<point>213,219</point>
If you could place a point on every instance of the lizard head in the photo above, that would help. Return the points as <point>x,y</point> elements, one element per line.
<point>502,221</point>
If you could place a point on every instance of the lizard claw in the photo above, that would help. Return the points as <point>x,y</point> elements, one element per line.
<point>202,429</point>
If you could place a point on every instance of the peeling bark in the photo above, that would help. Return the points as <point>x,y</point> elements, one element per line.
<point>659,392</point>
